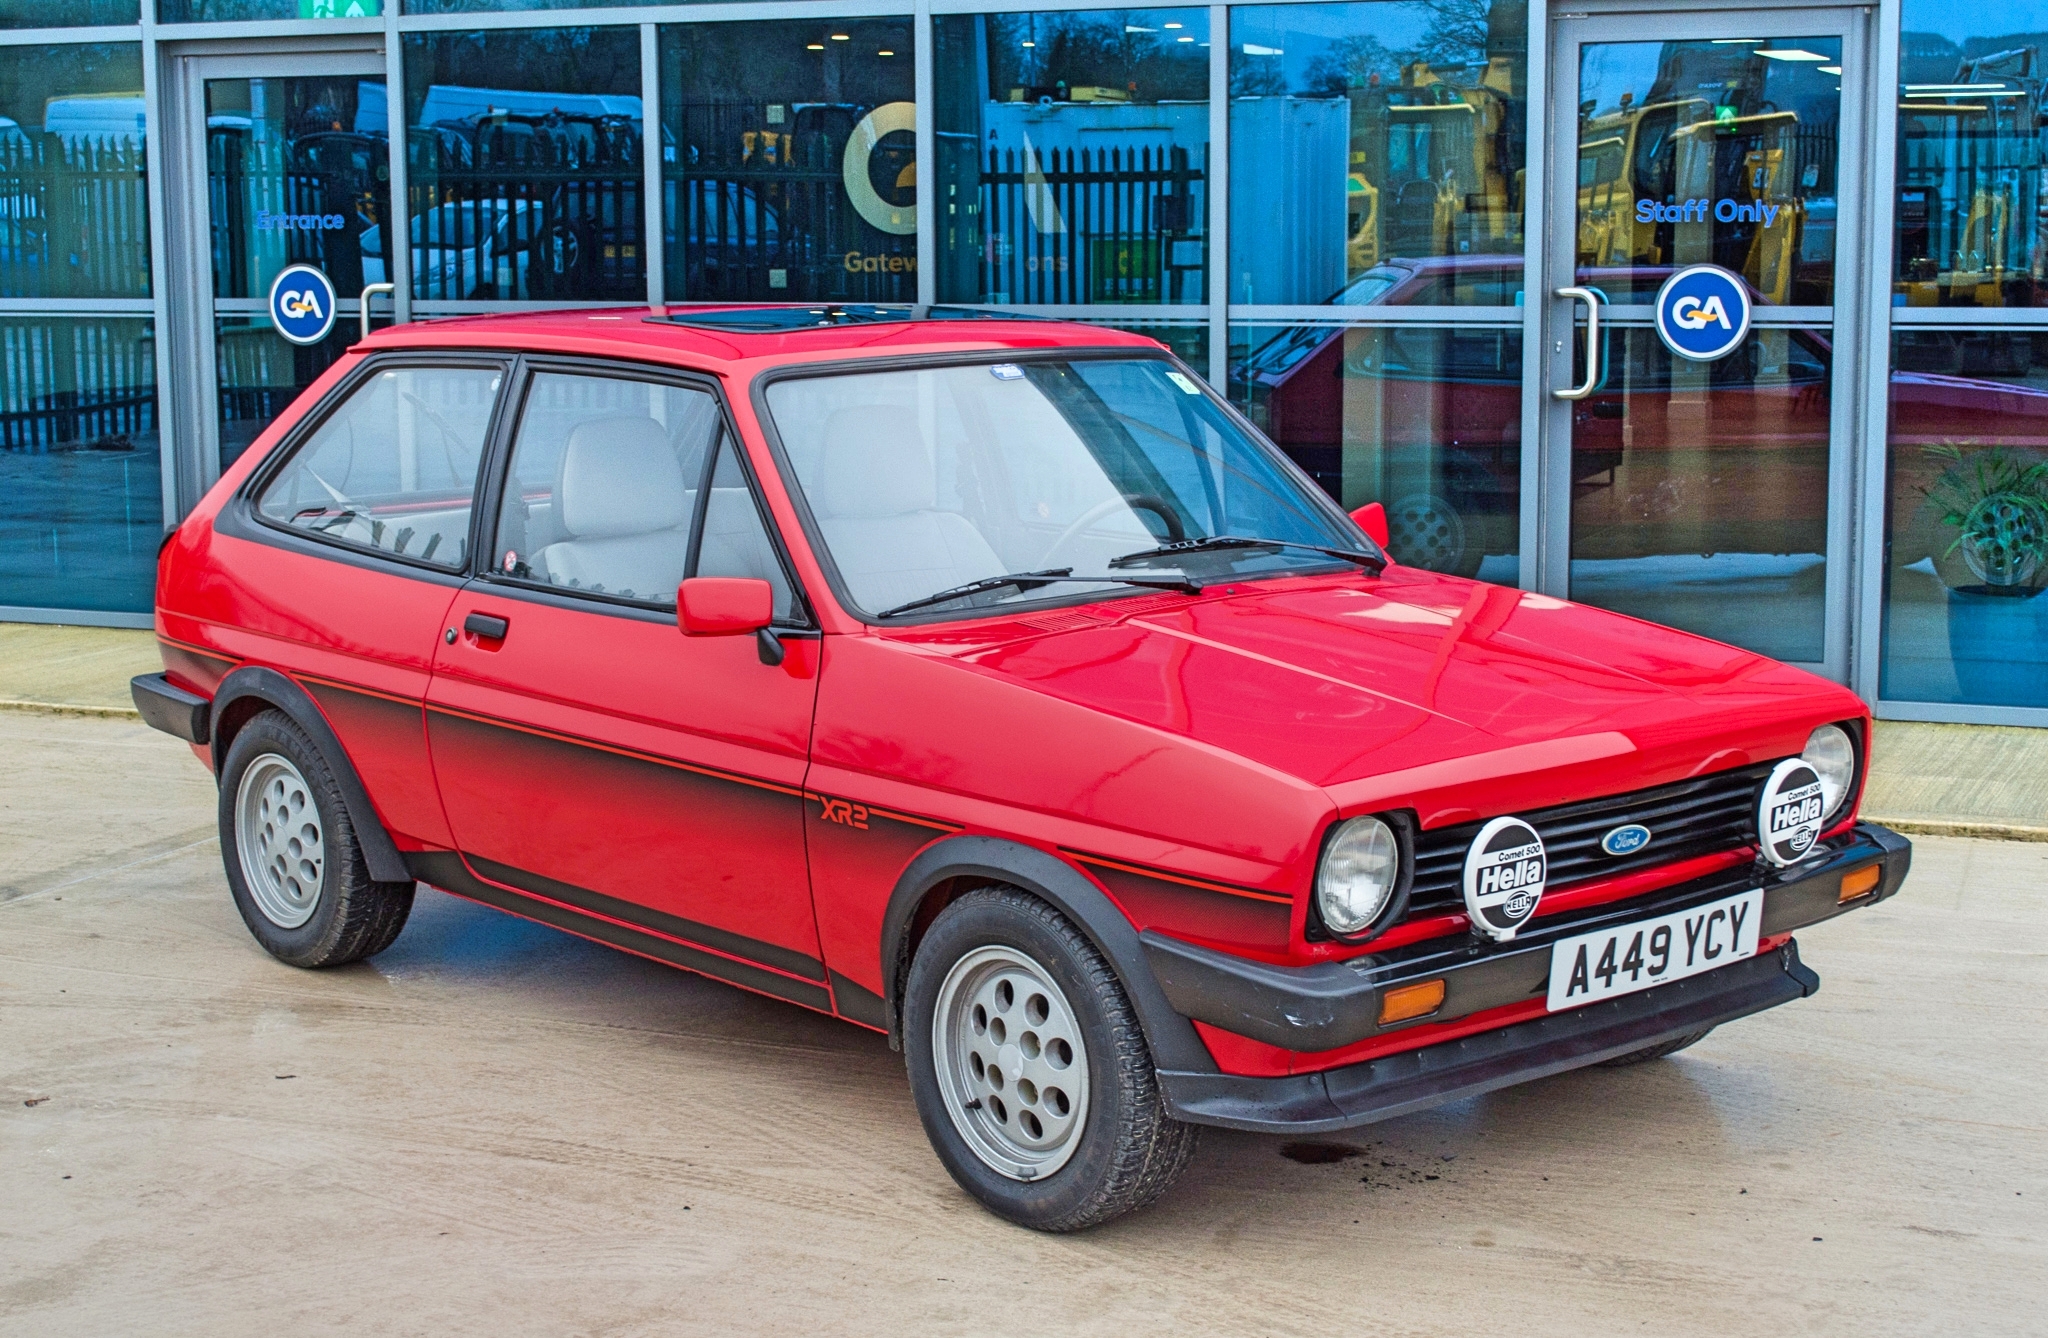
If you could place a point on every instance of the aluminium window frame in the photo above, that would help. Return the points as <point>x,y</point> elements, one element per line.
<point>1878,321</point>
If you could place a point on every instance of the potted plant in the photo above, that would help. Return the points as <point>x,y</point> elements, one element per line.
<point>1994,500</point>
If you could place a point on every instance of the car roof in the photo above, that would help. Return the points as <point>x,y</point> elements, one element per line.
<point>714,336</point>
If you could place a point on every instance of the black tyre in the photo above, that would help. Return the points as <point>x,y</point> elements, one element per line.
<point>1657,1051</point>
<point>1030,1070</point>
<point>293,861</point>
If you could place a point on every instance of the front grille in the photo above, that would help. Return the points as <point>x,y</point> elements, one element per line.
<point>1694,817</point>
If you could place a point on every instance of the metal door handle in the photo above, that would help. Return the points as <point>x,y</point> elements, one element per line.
<point>1592,301</point>
<point>390,288</point>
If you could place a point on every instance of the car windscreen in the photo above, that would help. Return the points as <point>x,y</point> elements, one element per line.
<point>926,479</point>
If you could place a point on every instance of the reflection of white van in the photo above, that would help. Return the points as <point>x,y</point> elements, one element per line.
<point>452,104</point>
<point>111,119</point>
<point>460,247</point>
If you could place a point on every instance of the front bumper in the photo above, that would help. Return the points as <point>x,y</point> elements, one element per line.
<point>1400,1084</point>
<point>1334,1004</point>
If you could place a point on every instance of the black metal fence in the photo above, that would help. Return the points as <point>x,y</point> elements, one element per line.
<point>1101,225</point>
<point>761,213</point>
<point>75,383</point>
<point>74,217</point>
<point>528,209</point>
<point>314,199</point>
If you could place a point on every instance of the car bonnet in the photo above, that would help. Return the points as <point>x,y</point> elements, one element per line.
<point>1336,678</point>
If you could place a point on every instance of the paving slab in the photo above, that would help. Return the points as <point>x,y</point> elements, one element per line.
<point>84,669</point>
<point>1960,780</point>
<point>495,1128</point>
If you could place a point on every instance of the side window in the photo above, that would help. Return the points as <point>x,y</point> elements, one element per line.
<point>603,484</point>
<point>393,470</point>
<point>736,543</point>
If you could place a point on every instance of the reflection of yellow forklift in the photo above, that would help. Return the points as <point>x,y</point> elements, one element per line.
<point>1673,152</point>
<point>1426,175</point>
<point>1977,140</point>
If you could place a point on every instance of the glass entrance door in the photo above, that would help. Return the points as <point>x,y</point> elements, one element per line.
<point>1697,472</point>
<point>281,160</point>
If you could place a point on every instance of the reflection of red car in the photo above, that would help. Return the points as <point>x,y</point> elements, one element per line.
<point>990,685</point>
<point>1739,466</point>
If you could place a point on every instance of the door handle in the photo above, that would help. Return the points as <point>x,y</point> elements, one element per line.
<point>390,288</point>
<point>485,626</point>
<point>1592,301</point>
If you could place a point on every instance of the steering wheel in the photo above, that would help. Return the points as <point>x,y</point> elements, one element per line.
<point>1134,501</point>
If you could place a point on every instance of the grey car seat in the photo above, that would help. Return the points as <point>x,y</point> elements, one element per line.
<point>876,498</point>
<point>624,506</point>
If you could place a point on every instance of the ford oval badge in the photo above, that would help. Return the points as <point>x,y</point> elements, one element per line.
<point>1626,840</point>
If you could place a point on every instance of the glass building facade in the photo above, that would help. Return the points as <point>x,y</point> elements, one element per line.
<point>1353,217</point>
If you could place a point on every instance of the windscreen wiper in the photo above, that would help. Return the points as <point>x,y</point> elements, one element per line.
<point>1217,543</point>
<point>1031,580</point>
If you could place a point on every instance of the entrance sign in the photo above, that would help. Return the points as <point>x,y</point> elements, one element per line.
<point>1703,313</point>
<point>302,304</point>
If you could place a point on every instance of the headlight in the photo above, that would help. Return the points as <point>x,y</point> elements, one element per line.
<point>1833,758</point>
<point>1361,865</point>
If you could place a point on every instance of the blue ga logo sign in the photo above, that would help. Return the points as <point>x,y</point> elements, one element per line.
<point>302,304</point>
<point>1703,312</point>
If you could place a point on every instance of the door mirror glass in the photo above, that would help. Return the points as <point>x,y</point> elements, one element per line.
<point>724,605</point>
<point>1372,518</point>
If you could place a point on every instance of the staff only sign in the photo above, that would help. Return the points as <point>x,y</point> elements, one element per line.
<point>1703,313</point>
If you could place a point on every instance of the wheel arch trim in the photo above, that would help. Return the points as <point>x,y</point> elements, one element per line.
<point>1067,889</point>
<point>276,690</point>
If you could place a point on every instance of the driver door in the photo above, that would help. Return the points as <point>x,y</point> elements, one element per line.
<point>600,770</point>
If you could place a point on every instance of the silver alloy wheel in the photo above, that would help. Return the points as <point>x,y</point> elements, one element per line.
<point>1426,532</point>
<point>283,849</point>
<point>1011,1063</point>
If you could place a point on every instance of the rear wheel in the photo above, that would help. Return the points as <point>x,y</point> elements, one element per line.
<point>293,861</point>
<point>1427,531</point>
<point>1657,1051</point>
<point>1030,1071</point>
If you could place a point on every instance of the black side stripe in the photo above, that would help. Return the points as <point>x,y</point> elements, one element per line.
<point>675,926</point>
<point>444,869</point>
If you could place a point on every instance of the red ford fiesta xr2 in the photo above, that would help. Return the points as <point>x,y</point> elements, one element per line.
<point>991,684</point>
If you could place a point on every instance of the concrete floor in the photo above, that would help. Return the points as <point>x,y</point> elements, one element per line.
<point>497,1129</point>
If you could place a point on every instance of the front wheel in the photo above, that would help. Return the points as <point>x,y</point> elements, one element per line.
<point>1029,1069</point>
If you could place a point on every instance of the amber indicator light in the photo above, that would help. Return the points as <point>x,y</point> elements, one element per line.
<point>1411,1001</point>
<point>1861,883</point>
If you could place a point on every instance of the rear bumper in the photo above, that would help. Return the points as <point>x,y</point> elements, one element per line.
<point>166,706</point>
<point>1334,1004</point>
<point>1381,1089</point>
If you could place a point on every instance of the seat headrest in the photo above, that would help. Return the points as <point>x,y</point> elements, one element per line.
<point>873,465</point>
<point>620,476</point>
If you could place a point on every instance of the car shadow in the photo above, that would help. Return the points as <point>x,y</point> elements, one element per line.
<point>1569,1134</point>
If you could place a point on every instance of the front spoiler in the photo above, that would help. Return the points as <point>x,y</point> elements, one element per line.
<point>1400,1084</point>
<point>1329,1005</point>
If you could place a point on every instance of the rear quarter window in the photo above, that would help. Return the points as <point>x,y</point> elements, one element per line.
<point>393,469</point>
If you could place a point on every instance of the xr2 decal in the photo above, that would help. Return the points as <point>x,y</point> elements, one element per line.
<point>844,812</point>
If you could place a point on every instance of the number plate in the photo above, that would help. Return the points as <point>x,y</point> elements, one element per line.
<point>1636,956</point>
